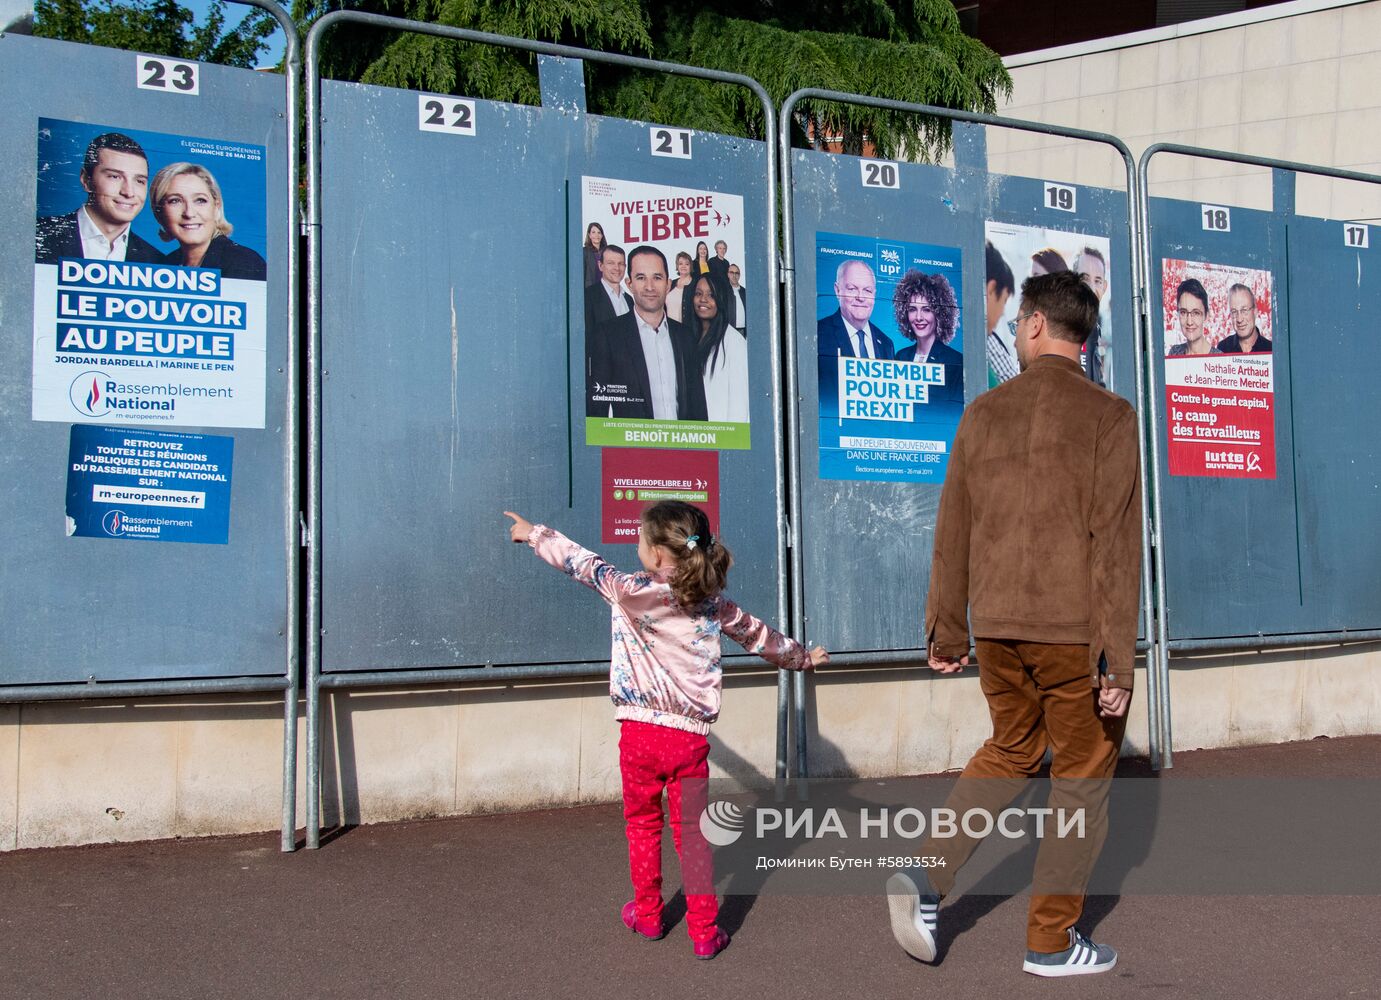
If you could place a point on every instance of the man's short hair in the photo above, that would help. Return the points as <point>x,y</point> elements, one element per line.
<point>1239,287</point>
<point>116,142</point>
<point>720,243</point>
<point>839,271</point>
<point>638,251</point>
<point>1192,286</point>
<point>998,270</point>
<point>1068,305</point>
<point>610,248</point>
<point>1093,252</point>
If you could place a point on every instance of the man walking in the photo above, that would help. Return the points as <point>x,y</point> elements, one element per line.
<point>1038,544</point>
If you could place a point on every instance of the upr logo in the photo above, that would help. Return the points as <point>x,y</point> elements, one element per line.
<point>87,396</point>
<point>114,523</point>
<point>721,823</point>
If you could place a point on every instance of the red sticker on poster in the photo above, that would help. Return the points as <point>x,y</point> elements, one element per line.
<point>631,479</point>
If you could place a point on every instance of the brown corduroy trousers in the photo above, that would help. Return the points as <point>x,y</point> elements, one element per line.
<point>1039,695</point>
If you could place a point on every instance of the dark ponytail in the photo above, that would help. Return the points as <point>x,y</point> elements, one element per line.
<point>702,561</point>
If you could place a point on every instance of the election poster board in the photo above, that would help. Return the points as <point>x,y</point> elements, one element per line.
<point>149,278</point>
<point>632,479</point>
<point>1031,250</point>
<point>889,339</point>
<point>1219,371</point>
<point>687,386</point>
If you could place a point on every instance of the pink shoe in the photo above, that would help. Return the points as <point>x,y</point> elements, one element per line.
<point>709,949</point>
<point>647,928</point>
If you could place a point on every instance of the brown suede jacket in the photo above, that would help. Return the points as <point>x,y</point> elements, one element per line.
<point>1039,529</point>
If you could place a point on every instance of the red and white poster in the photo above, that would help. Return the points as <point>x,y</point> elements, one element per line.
<point>1219,370</point>
<point>632,479</point>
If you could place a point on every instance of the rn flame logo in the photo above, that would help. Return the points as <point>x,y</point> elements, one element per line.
<point>114,523</point>
<point>86,395</point>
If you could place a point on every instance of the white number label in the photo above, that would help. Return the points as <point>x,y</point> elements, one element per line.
<point>671,142</point>
<point>1059,196</point>
<point>445,114</point>
<point>879,174</point>
<point>1216,218</point>
<point>171,76</point>
<point>1356,235</point>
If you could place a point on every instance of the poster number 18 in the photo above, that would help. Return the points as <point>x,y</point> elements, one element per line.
<point>880,174</point>
<point>1060,197</point>
<point>671,142</point>
<point>172,76</point>
<point>1216,218</point>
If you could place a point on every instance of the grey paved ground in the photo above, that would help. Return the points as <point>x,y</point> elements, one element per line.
<point>526,905</point>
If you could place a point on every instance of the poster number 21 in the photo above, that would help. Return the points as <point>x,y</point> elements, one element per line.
<point>674,142</point>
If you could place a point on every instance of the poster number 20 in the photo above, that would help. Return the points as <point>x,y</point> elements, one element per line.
<point>1217,219</point>
<point>671,142</point>
<point>445,114</point>
<point>879,174</point>
<point>172,76</point>
<point>1060,197</point>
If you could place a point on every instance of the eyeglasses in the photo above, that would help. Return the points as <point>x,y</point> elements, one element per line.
<point>1026,315</point>
<point>1244,313</point>
<point>1191,314</point>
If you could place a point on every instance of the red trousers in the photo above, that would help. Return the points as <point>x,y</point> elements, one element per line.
<point>652,758</point>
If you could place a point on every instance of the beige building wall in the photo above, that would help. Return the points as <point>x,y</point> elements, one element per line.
<point>1297,81</point>
<point>91,773</point>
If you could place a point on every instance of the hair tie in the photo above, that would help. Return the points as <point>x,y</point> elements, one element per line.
<point>690,542</point>
<point>710,544</point>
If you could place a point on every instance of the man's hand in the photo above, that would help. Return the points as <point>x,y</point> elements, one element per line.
<point>818,657</point>
<point>947,664</point>
<point>1112,702</point>
<point>520,528</point>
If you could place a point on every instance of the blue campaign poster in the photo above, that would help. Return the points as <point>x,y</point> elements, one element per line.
<point>152,486</point>
<point>891,379</point>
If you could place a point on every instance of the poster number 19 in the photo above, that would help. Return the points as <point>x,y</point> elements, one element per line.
<point>1060,197</point>
<point>671,142</point>
<point>1356,235</point>
<point>445,114</point>
<point>880,174</point>
<point>1217,219</point>
<point>172,76</point>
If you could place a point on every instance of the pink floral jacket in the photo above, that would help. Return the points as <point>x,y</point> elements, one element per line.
<point>664,668</point>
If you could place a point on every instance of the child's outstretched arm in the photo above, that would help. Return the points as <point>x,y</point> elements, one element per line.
<point>578,563</point>
<point>756,636</point>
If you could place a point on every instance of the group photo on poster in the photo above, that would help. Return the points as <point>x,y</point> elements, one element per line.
<point>146,310</point>
<point>1219,377</point>
<point>1015,253</point>
<point>891,366</point>
<point>665,316</point>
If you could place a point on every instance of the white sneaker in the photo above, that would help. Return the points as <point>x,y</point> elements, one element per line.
<point>914,916</point>
<point>1081,958</point>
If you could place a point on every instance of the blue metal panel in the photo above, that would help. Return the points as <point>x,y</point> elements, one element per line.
<point>867,545</point>
<point>1232,563</point>
<point>453,379</point>
<point>86,608</point>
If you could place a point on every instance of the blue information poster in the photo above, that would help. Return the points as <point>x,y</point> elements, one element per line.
<point>889,339</point>
<point>151,486</point>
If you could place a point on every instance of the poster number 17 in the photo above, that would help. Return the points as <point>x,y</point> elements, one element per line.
<point>671,142</point>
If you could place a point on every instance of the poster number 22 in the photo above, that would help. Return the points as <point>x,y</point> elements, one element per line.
<point>445,114</point>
